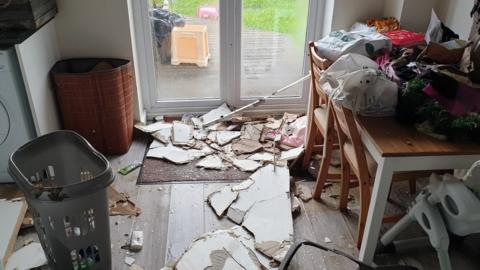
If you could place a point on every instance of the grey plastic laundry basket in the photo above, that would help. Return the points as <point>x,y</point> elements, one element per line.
<point>65,182</point>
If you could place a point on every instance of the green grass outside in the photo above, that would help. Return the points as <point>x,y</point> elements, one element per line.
<point>282,16</point>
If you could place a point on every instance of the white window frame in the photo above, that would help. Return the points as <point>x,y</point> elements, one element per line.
<point>230,63</point>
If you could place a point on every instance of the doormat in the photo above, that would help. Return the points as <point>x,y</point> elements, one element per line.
<point>156,171</point>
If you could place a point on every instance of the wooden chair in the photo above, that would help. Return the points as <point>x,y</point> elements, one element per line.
<point>321,136</point>
<point>354,158</point>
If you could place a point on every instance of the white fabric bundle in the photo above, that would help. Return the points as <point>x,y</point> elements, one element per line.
<point>355,82</point>
<point>339,43</point>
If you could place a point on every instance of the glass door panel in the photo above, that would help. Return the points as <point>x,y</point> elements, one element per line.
<point>186,44</point>
<point>273,46</point>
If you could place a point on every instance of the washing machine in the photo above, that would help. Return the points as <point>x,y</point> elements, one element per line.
<point>16,123</point>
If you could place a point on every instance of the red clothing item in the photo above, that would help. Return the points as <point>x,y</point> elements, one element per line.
<point>465,102</point>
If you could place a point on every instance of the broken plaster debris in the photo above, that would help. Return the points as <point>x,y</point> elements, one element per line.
<point>264,156</point>
<point>182,134</point>
<point>129,260</point>
<point>152,127</point>
<point>135,267</point>
<point>164,134</point>
<point>251,132</point>
<point>303,192</point>
<point>246,165</point>
<point>212,162</point>
<point>155,144</point>
<point>120,205</point>
<point>216,113</point>
<point>243,185</point>
<point>291,154</point>
<point>136,241</point>
<point>270,221</point>
<point>267,184</point>
<point>13,212</point>
<point>222,199</point>
<point>206,252</point>
<point>296,206</point>
<point>27,257</point>
<point>200,134</point>
<point>223,137</point>
<point>246,146</point>
<point>178,155</point>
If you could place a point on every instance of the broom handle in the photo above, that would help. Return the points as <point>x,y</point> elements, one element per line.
<point>256,102</point>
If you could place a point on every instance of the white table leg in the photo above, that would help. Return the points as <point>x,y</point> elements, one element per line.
<point>383,180</point>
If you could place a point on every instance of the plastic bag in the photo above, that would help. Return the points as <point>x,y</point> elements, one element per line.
<point>339,43</point>
<point>366,92</point>
<point>345,64</point>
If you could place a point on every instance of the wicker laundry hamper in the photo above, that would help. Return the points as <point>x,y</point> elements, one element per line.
<point>95,97</point>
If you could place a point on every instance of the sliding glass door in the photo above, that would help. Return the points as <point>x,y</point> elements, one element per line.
<point>201,53</point>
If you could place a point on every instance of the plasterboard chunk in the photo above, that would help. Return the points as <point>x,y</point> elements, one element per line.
<point>182,134</point>
<point>251,132</point>
<point>27,257</point>
<point>177,155</point>
<point>164,134</point>
<point>289,117</point>
<point>198,255</point>
<point>291,154</point>
<point>267,183</point>
<point>221,259</point>
<point>223,137</point>
<point>264,156</point>
<point>216,147</point>
<point>273,123</point>
<point>155,144</point>
<point>12,217</point>
<point>243,185</point>
<point>222,199</point>
<point>129,260</point>
<point>200,134</point>
<point>216,113</point>
<point>212,162</point>
<point>245,146</point>
<point>296,208</point>
<point>270,221</point>
<point>246,165</point>
<point>152,127</point>
<point>197,122</point>
<point>303,192</point>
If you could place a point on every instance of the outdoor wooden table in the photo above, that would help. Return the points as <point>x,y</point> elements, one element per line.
<point>398,148</point>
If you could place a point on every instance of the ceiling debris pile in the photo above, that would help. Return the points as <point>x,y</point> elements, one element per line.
<point>246,143</point>
<point>261,206</point>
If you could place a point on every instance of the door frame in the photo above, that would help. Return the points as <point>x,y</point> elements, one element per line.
<point>230,62</point>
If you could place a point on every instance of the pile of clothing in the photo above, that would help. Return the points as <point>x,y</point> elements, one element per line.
<point>430,80</point>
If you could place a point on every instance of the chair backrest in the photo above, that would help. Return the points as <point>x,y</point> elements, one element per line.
<point>317,65</point>
<point>348,133</point>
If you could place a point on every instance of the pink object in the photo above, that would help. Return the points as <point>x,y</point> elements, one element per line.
<point>466,101</point>
<point>297,137</point>
<point>207,13</point>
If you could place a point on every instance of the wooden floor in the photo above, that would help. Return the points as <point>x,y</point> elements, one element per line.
<point>174,214</point>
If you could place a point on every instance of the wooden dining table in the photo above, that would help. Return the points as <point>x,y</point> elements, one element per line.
<point>400,148</point>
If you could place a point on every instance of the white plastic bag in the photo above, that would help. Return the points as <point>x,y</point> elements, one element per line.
<point>339,43</point>
<point>345,64</point>
<point>366,92</point>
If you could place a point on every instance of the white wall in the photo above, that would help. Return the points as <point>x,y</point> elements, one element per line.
<point>456,15</point>
<point>347,12</point>
<point>96,28</point>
